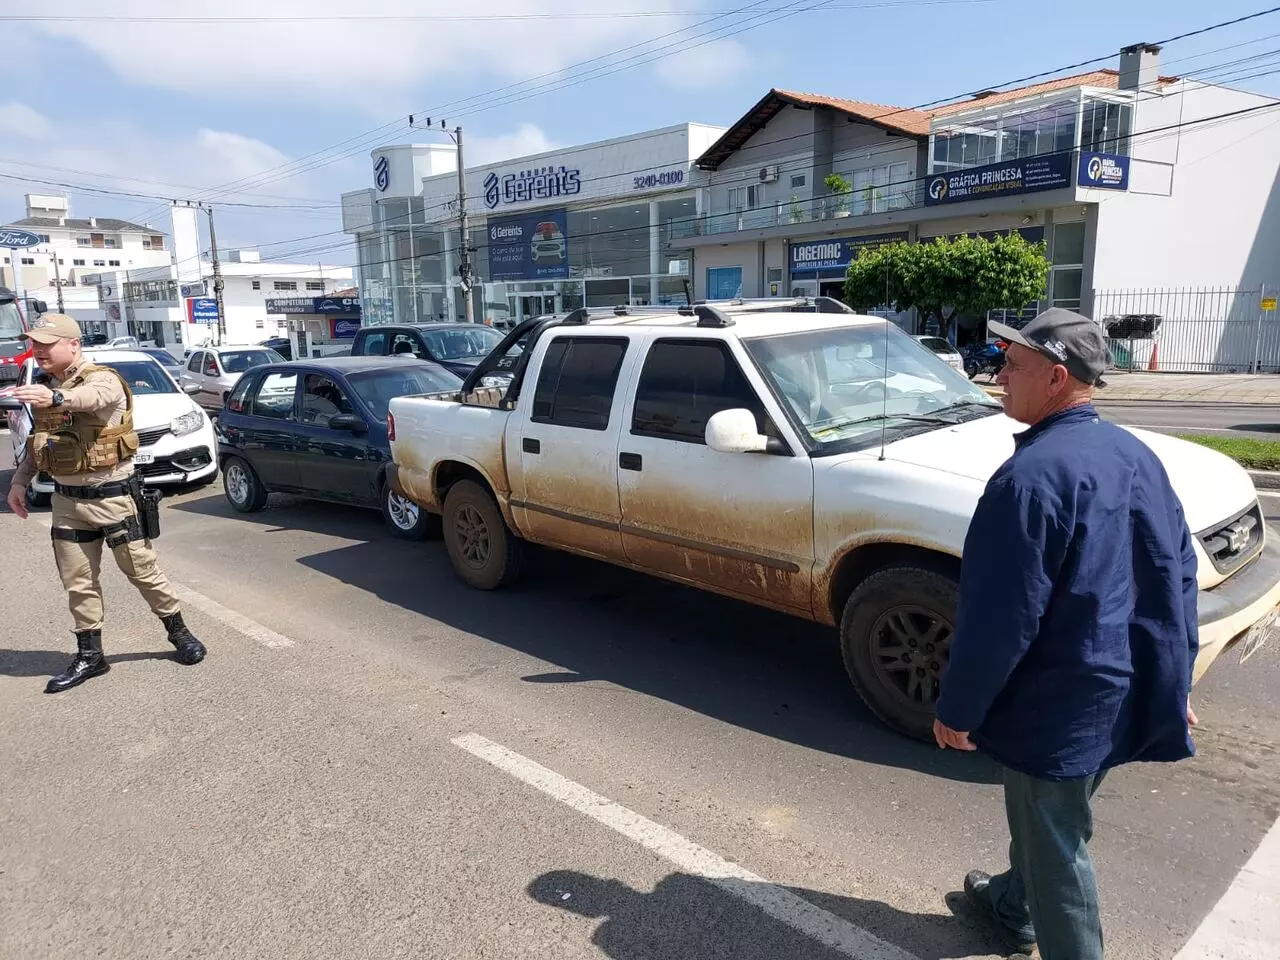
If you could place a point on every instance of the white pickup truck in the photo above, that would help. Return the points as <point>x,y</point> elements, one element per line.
<point>792,455</point>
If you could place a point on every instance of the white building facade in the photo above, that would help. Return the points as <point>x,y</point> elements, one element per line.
<point>602,224</point>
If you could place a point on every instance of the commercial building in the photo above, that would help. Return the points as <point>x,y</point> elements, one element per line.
<point>74,253</point>
<point>1135,181</point>
<point>596,225</point>
<point>318,326</point>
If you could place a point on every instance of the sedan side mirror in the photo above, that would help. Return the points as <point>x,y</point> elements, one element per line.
<point>734,431</point>
<point>191,389</point>
<point>349,422</point>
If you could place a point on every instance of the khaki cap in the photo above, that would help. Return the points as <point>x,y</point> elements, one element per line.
<point>49,327</point>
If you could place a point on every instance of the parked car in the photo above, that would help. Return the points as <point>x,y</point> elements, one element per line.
<point>455,346</point>
<point>280,345</point>
<point>945,350</point>
<point>176,442</point>
<point>211,372</point>
<point>122,342</point>
<point>755,452</point>
<point>318,428</point>
<point>172,365</point>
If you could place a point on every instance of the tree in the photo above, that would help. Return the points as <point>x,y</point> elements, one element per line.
<point>945,278</point>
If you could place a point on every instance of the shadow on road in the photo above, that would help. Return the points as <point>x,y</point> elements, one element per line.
<point>758,670</point>
<point>45,663</point>
<point>688,916</point>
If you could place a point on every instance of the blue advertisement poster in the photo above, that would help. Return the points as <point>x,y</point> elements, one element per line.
<point>1006,179</point>
<point>836,254</point>
<point>202,310</point>
<point>532,246</point>
<point>1103,171</point>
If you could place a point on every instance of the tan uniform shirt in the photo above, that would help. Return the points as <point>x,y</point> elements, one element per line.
<point>102,394</point>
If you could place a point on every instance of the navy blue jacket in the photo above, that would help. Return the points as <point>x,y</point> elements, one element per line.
<point>1076,629</point>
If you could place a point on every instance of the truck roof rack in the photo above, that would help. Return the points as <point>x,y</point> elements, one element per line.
<point>709,316</point>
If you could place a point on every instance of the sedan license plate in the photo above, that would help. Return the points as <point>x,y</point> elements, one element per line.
<point>143,458</point>
<point>1258,635</point>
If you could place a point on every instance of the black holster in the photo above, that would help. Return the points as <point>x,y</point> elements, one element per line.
<point>148,504</point>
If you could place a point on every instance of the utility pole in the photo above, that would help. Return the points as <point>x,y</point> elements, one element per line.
<point>464,263</point>
<point>57,281</point>
<point>217,278</point>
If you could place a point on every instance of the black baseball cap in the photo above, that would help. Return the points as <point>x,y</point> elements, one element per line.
<point>1065,337</point>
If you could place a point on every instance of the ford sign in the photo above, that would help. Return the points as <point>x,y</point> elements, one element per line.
<point>18,239</point>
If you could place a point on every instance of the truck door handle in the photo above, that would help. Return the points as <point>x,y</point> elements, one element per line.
<point>530,445</point>
<point>630,461</point>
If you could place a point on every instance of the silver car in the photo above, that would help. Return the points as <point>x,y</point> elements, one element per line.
<point>945,351</point>
<point>211,372</point>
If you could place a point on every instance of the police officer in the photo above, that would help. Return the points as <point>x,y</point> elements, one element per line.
<point>83,436</point>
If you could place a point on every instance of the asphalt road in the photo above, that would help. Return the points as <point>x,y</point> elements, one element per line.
<point>307,800</point>
<point>1227,420</point>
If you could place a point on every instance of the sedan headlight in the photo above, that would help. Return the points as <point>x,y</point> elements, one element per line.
<point>189,422</point>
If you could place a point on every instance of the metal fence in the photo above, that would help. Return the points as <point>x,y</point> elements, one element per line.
<point>1191,330</point>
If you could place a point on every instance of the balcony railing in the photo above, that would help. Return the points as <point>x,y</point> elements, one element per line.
<point>858,203</point>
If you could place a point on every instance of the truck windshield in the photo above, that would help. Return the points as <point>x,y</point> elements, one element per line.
<point>10,321</point>
<point>472,342</point>
<point>847,383</point>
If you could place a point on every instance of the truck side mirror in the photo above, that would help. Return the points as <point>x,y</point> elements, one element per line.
<point>734,431</point>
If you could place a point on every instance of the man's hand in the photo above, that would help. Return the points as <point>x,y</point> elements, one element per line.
<point>17,501</point>
<point>1192,719</point>
<point>38,395</point>
<point>955,739</point>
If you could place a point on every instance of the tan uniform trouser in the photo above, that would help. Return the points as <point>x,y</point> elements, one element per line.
<point>79,563</point>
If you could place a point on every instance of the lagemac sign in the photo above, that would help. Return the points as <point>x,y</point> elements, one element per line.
<point>539,183</point>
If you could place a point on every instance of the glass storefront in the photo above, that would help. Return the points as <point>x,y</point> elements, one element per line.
<point>540,261</point>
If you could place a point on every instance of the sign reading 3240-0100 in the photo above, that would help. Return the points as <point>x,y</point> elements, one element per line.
<point>668,178</point>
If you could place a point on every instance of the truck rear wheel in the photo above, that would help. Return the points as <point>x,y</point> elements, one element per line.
<point>482,548</point>
<point>895,635</point>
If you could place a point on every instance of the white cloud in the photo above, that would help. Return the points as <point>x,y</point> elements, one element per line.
<point>371,62</point>
<point>528,139</point>
<point>717,64</point>
<point>18,118</point>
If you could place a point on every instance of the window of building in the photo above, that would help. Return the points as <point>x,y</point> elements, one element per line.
<point>577,382</point>
<point>113,263</point>
<point>684,384</point>
<point>797,181</point>
<point>257,284</point>
<point>153,243</point>
<point>274,398</point>
<point>751,196</point>
<point>260,322</point>
<point>877,189</point>
<point>82,241</point>
<point>315,285</point>
<point>1067,274</point>
<point>322,399</point>
<point>28,261</point>
<point>99,263</point>
<point>724,283</point>
<point>1106,127</point>
<point>44,237</point>
<point>286,285</point>
<point>77,263</point>
<point>110,242</point>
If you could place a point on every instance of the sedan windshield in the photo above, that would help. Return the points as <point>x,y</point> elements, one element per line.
<point>471,341</point>
<point>162,357</point>
<point>378,387</point>
<point>846,384</point>
<point>143,376</point>
<point>238,361</point>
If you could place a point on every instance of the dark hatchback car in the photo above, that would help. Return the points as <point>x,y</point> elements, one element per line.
<point>318,429</point>
<point>458,347</point>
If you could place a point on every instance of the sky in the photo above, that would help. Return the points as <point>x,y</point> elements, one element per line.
<point>269,109</point>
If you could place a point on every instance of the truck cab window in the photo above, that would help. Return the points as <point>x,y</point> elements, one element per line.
<point>577,382</point>
<point>684,383</point>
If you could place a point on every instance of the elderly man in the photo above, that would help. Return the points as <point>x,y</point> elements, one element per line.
<point>1075,634</point>
<point>83,436</point>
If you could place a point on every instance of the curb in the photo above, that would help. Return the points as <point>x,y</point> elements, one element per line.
<point>1265,479</point>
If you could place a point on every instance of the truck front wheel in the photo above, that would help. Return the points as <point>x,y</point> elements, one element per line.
<point>895,635</point>
<point>482,548</point>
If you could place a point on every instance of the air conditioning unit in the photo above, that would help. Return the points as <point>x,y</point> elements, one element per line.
<point>769,174</point>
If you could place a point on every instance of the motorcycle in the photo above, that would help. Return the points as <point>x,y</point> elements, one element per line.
<point>983,358</point>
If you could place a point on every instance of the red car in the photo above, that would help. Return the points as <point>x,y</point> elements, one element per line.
<point>14,350</point>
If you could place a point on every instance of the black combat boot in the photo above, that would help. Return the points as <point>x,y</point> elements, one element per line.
<point>89,662</point>
<point>190,650</point>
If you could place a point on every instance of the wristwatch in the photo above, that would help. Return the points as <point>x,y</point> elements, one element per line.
<point>57,398</point>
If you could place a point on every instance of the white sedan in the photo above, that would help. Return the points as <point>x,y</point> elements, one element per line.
<point>177,445</point>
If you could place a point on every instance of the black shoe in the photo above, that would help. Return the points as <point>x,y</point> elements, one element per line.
<point>89,662</point>
<point>975,892</point>
<point>190,650</point>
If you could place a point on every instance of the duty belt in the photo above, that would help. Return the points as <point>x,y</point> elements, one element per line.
<point>100,492</point>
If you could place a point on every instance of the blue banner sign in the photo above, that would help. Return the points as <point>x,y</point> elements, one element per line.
<point>1006,179</point>
<point>540,183</point>
<point>343,329</point>
<point>530,247</point>
<point>1103,171</point>
<point>202,310</point>
<point>342,305</point>
<point>18,239</point>
<point>837,253</point>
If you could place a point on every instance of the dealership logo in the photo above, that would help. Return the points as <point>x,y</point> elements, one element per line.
<point>539,183</point>
<point>381,174</point>
<point>506,231</point>
<point>938,188</point>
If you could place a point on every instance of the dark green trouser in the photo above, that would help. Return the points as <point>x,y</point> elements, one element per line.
<point>1050,892</point>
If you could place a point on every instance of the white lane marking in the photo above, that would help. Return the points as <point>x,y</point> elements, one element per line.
<point>777,902</point>
<point>210,607</point>
<point>236,621</point>
<point>1268,493</point>
<point>1245,923</point>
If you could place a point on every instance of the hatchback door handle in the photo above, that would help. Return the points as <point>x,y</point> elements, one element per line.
<point>630,461</point>
<point>530,445</point>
